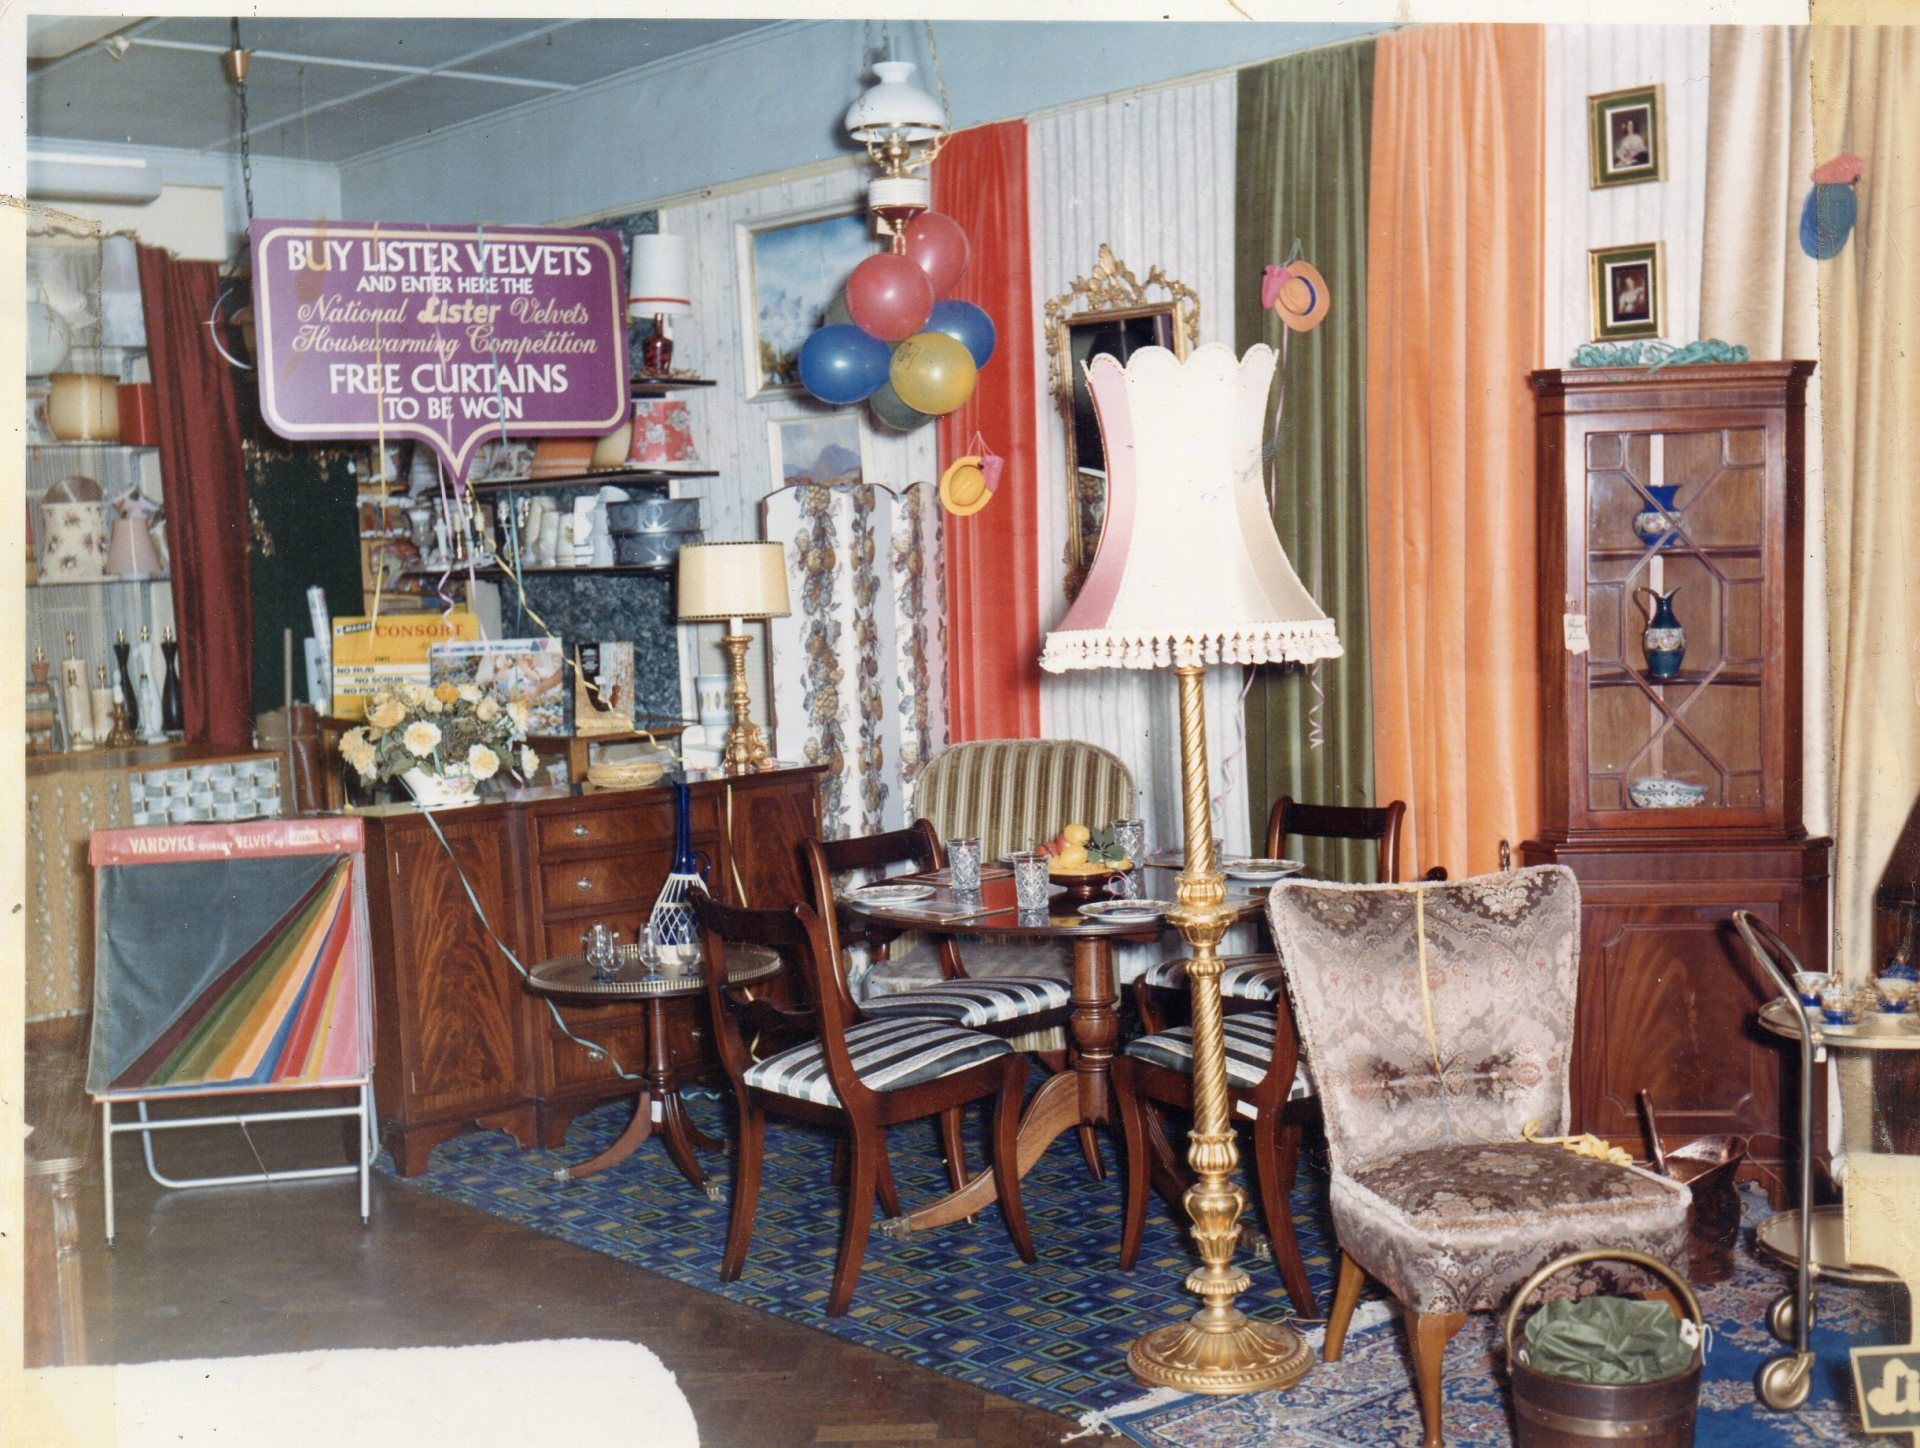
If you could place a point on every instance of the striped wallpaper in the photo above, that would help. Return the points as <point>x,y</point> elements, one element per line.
<point>1151,174</point>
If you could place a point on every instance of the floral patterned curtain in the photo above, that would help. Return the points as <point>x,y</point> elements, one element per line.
<point>859,666</point>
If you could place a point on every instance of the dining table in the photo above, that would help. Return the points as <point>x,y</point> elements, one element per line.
<point>1084,1095</point>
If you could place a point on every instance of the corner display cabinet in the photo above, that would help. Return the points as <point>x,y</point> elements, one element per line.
<point>1670,660</point>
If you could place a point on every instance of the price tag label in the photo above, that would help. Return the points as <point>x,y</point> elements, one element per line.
<point>1576,630</point>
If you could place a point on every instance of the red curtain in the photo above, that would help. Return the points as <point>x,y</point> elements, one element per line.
<point>993,595</point>
<point>204,474</point>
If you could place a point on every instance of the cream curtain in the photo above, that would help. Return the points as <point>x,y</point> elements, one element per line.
<point>1866,99</point>
<point>1758,288</point>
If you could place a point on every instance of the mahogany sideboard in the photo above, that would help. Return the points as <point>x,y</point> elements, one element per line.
<point>459,1041</point>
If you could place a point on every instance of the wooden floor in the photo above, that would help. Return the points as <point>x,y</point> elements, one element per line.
<point>288,1268</point>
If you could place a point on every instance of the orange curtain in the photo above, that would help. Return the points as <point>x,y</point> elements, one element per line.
<point>1453,327</point>
<point>993,592</point>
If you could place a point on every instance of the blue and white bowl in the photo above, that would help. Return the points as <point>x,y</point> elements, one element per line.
<point>1665,794</point>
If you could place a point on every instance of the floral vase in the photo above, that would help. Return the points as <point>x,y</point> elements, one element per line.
<point>1664,640</point>
<point>1655,524</point>
<point>440,791</point>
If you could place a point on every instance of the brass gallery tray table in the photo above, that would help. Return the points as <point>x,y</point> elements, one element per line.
<point>572,976</point>
<point>1815,1246</point>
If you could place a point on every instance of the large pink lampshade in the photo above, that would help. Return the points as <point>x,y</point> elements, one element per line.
<point>1189,569</point>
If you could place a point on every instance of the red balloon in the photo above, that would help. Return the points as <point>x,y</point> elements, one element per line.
<point>937,245</point>
<point>889,297</point>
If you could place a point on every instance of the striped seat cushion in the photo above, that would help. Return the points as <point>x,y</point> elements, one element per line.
<point>888,1055</point>
<point>1242,977</point>
<point>975,1003</point>
<point>1249,1049</point>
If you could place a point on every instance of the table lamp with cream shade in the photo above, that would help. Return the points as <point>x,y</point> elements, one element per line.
<point>1189,572</point>
<point>658,286</point>
<point>735,582</point>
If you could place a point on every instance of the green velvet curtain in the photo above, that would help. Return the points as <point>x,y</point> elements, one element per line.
<point>1301,172</point>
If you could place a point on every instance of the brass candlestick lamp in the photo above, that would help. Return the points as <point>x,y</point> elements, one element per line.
<point>735,582</point>
<point>1190,573</point>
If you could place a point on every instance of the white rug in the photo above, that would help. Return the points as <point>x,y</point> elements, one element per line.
<point>506,1395</point>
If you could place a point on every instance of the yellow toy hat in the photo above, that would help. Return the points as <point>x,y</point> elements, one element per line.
<point>963,487</point>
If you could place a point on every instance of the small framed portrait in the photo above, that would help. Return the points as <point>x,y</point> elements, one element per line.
<point>1626,136</point>
<point>1625,284</point>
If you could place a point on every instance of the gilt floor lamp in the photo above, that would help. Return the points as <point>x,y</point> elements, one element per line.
<point>1190,572</point>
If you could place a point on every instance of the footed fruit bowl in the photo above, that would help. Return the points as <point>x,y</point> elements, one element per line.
<point>1089,881</point>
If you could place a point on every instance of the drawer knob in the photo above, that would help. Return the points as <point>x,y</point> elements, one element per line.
<point>580,832</point>
<point>583,883</point>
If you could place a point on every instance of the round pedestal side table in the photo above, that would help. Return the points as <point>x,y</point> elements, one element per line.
<point>631,979</point>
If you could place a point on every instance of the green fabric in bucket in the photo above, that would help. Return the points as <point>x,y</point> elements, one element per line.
<point>1610,1340</point>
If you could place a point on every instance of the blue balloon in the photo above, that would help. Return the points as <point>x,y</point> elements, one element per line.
<point>843,364</point>
<point>1826,221</point>
<point>967,324</point>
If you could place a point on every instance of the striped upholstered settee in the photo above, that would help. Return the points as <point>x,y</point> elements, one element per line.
<point>1011,793</point>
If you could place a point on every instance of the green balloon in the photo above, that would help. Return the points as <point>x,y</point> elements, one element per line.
<point>889,411</point>
<point>837,313</point>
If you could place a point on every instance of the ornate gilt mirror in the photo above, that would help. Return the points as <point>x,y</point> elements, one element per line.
<point>1107,311</point>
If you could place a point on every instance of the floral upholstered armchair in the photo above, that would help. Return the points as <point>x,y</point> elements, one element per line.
<point>1437,1020</point>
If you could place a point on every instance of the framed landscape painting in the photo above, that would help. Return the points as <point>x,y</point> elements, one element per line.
<point>823,447</point>
<point>792,268</point>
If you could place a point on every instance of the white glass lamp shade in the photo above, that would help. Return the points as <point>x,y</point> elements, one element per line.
<point>733,580</point>
<point>657,284</point>
<point>895,106</point>
<point>1189,569</point>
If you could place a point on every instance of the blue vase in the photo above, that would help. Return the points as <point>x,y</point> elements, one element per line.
<point>1655,524</point>
<point>1664,640</point>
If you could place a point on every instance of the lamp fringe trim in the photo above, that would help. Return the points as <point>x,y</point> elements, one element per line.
<point>1298,642</point>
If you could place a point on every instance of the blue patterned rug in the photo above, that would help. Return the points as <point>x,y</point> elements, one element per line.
<point>1055,1334</point>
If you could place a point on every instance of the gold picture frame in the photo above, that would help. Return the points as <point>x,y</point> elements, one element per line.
<point>1627,136</point>
<point>1107,311</point>
<point>1626,291</point>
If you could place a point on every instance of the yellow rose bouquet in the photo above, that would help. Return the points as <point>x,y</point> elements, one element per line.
<point>442,742</point>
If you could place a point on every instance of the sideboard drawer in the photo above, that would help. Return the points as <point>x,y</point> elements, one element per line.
<point>602,880</point>
<point>581,831</point>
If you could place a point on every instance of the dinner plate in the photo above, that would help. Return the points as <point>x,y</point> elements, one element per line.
<point>1263,871</point>
<point>1121,911</point>
<point>884,894</point>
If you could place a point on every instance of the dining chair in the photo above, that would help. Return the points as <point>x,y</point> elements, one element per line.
<point>1248,983</point>
<point>854,1076</point>
<point>1264,1088</point>
<point>1019,1008</point>
<point>1437,1024</point>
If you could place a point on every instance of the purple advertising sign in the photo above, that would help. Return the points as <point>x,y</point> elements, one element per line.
<point>444,334</point>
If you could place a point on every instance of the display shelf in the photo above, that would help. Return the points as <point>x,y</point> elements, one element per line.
<point>612,477</point>
<point>111,578</point>
<point>1677,550</point>
<point>661,386</point>
<point>493,571</point>
<point>67,444</point>
<point>1615,676</point>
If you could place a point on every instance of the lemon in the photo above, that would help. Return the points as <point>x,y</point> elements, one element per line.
<point>1073,855</point>
<point>1077,835</point>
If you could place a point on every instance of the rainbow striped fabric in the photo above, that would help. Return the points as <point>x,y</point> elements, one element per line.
<point>230,958</point>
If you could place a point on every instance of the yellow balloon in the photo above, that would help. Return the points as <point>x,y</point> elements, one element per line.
<point>933,373</point>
